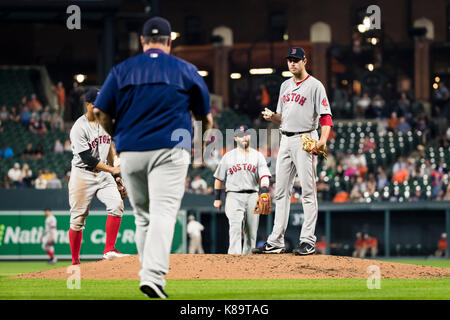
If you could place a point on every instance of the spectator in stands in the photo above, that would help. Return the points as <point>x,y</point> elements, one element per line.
<point>61,97</point>
<point>29,152</point>
<point>14,115</point>
<point>213,160</point>
<point>40,183</point>
<point>437,177</point>
<point>1,126</point>
<point>187,185</point>
<point>67,146</point>
<point>23,102</point>
<point>377,106</point>
<point>403,126</point>
<point>368,144</point>
<point>400,176</point>
<point>393,122</point>
<point>39,151</point>
<point>15,175</point>
<point>422,127</point>
<point>25,116</point>
<point>75,101</point>
<point>57,122</point>
<point>441,94</point>
<point>417,196</point>
<point>358,190</point>
<point>6,152</point>
<point>426,169</point>
<point>370,245</point>
<point>58,147</point>
<point>5,183</point>
<point>264,97</point>
<point>36,126</point>
<point>199,185</point>
<point>27,176</point>
<point>362,105</point>
<point>46,117</point>
<point>371,184</point>
<point>441,246</point>
<point>53,182</point>
<point>34,104</point>
<point>382,180</point>
<point>400,164</point>
<point>4,114</point>
<point>361,163</point>
<point>403,107</point>
<point>359,246</point>
<point>341,196</point>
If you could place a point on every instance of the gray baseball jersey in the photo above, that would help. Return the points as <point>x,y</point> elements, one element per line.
<point>242,171</point>
<point>89,136</point>
<point>301,104</point>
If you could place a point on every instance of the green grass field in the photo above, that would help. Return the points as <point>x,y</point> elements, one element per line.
<point>270,289</point>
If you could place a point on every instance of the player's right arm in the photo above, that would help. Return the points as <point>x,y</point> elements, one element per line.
<point>269,115</point>
<point>220,175</point>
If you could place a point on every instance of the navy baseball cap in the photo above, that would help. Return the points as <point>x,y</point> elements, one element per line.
<point>156,26</point>
<point>91,95</point>
<point>296,52</point>
<point>240,131</point>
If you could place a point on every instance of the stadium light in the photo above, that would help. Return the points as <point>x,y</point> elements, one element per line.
<point>374,41</point>
<point>174,35</point>
<point>286,74</point>
<point>437,79</point>
<point>80,77</point>
<point>235,75</point>
<point>258,71</point>
<point>435,86</point>
<point>361,28</point>
<point>203,73</point>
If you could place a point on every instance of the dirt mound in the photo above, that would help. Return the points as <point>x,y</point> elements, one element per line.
<point>222,266</point>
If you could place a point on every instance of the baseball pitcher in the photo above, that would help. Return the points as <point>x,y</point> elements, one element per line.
<point>243,168</point>
<point>93,175</point>
<point>302,104</point>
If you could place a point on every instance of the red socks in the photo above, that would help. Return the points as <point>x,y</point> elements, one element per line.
<point>51,254</point>
<point>112,228</point>
<point>75,238</point>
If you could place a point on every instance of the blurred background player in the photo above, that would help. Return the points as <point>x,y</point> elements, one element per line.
<point>194,230</point>
<point>370,246</point>
<point>359,246</point>
<point>49,236</point>
<point>243,168</point>
<point>442,246</point>
<point>93,175</point>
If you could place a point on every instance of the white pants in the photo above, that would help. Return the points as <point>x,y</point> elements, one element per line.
<point>155,186</point>
<point>239,210</point>
<point>292,159</point>
<point>83,186</point>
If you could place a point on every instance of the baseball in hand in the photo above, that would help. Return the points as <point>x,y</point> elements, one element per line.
<point>267,114</point>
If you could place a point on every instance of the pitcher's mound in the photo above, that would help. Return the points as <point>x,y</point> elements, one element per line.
<point>265,266</point>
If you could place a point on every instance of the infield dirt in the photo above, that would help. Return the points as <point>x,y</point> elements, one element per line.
<point>223,266</point>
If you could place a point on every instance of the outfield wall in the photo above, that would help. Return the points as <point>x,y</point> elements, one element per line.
<point>402,229</point>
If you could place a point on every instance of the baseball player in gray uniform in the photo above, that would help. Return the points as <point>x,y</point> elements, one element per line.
<point>243,168</point>
<point>302,104</point>
<point>92,175</point>
<point>49,237</point>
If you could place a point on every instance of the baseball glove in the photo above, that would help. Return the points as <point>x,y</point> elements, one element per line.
<point>310,145</point>
<point>121,188</point>
<point>263,205</point>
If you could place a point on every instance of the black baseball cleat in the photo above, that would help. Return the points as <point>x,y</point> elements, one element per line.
<point>153,290</point>
<point>267,248</point>
<point>304,249</point>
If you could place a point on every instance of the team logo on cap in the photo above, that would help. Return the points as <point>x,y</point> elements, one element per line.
<point>294,51</point>
<point>154,31</point>
<point>242,128</point>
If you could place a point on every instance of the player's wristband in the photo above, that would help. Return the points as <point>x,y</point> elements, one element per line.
<point>217,193</point>
<point>264,190</point>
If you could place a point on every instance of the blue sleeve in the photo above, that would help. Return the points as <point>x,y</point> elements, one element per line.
<point>199,95</point>
<point>106,100</point>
